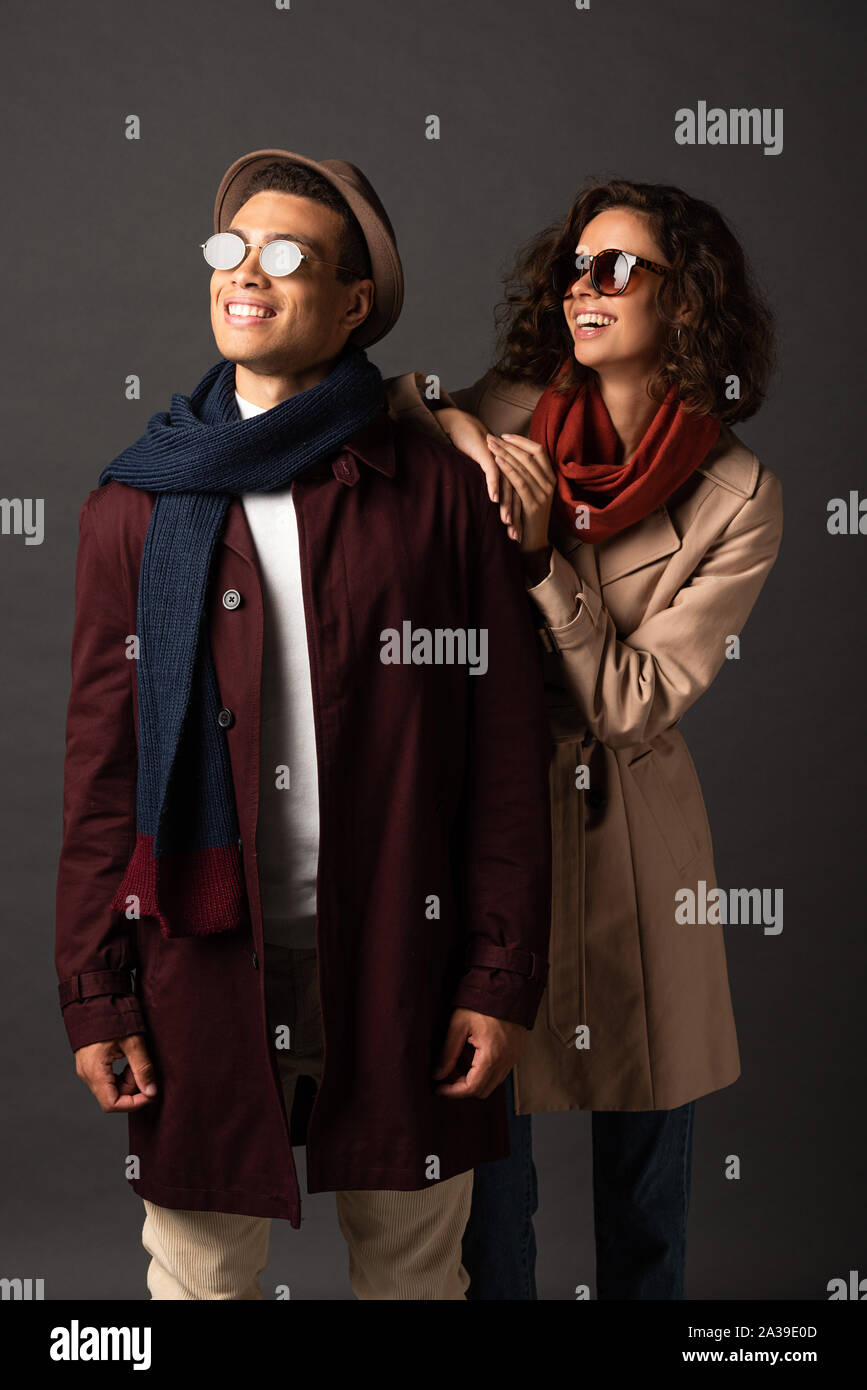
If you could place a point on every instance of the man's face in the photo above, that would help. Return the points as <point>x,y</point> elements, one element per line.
<point>308,314</point>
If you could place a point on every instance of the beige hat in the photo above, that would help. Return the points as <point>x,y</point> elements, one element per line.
<point>371,215</point>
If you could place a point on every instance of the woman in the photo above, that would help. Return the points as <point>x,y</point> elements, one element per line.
<point>632,340</point>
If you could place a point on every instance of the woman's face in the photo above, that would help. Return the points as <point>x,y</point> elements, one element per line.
<point>624,336</point>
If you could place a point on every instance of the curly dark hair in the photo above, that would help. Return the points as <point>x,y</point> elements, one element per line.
<point>730,331</point>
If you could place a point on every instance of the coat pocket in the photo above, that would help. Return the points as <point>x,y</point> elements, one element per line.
<point>663,806</point>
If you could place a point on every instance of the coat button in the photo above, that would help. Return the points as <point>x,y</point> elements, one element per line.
<point>345,470</point>
<point>225,719</point>
<point>231,599</point>
<point>596,799</point>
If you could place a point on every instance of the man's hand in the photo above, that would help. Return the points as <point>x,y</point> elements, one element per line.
<point>118,1094</point>
<point>498,1045</point>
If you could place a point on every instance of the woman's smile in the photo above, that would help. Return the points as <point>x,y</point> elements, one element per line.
<point>591,324</point>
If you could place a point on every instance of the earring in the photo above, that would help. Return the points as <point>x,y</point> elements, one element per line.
<point>678,337</point>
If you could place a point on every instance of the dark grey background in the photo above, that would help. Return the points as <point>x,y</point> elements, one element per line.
<point>102,277</point>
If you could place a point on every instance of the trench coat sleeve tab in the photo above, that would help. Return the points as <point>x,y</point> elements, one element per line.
<point>568,610</point>
<point>507,958</point>
<point>501,992</point>
<point>524,993</point>
<point>94,984</point>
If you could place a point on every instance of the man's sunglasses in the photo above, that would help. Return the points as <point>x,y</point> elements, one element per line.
<point>609,270</point>
<point>225,250</point>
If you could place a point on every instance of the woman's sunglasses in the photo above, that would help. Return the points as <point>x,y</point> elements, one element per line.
<point>225,250</point>
<point>609,270</point>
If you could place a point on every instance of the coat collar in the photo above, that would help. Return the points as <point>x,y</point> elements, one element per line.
<point>731,464</point>
<point>372,445</point>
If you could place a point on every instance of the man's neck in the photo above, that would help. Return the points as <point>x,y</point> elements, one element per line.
<point>267,390</point>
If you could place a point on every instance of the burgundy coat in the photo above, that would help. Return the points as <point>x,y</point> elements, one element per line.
<point>431,781</point>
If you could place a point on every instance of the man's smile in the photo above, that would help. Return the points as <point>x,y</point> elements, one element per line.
<point>247,311</point>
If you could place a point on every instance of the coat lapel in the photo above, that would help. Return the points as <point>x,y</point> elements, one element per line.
<point>639,545</point>
<point>236,532</point>
<point>648,540</point>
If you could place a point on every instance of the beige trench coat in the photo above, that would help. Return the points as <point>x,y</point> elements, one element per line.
<point>634,630</point>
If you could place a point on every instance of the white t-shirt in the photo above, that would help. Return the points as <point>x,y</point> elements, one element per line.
<point>287,838</point>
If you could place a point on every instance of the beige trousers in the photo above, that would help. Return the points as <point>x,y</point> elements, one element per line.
<point>401,1245</point>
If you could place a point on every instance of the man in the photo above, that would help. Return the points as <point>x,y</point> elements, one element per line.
<point>306,778</point>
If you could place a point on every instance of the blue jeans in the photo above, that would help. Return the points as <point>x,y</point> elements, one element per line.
<point>642,1161</point>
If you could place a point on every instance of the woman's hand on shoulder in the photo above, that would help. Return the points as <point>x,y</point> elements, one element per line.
<point>527,468</point>
<point>468,434</point>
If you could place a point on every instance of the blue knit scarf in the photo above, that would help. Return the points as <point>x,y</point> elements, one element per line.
<point>186,869</point>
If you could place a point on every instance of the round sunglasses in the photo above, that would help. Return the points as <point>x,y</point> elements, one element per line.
<point>225,250</point>
<point>609,270</point>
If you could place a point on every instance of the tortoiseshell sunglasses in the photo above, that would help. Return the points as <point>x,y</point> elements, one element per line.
<point>609,270</point>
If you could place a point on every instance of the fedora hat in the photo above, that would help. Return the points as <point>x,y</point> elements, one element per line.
<point>371,215</point>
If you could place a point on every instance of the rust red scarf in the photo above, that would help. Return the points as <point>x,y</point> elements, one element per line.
<point>597,494</point>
